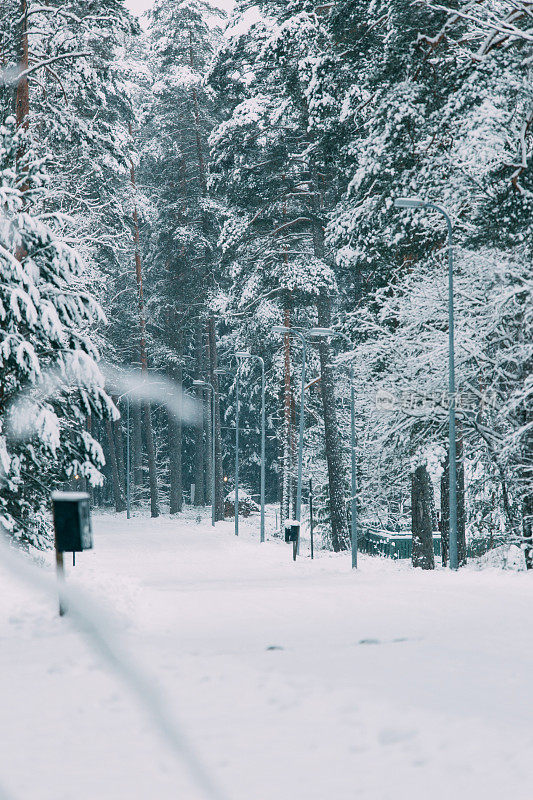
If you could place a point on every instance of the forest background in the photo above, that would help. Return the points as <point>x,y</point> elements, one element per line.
<point>170,192</point>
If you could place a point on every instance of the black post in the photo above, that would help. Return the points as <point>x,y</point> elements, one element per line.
<point>60,580</point>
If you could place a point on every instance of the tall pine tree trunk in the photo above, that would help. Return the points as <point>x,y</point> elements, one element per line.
<point>22,95</point>
<point>147,414</point>
<point>445,508</point>
<point>339,518</point>
<point>88,485</point>
<point>119,451</point>
<point>445,512</point>
<point>422,513</point>
<point>151,455</point>
<point>208,428</point>
<point>219,477</point>
<point>22,98</point>
<point>526,481</point>
<point>175,446</point>
<point>208,449</point>
<point>527,528</point>
<point>461,509</point>
<point>199,494</point>
<point>285,504</point>
<point>199,149</point>
<point>137,447</point>
<point>338,512</point>
<point>117,491</point>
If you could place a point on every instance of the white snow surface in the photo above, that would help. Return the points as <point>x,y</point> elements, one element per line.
<point>292,680</point>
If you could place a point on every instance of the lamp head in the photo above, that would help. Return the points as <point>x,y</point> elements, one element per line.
<point>198,383</point>
<point>317,332</point>
<point>409,202</point>
<point>242,354</point>
<point>280,329</point>
<point>221,371</point>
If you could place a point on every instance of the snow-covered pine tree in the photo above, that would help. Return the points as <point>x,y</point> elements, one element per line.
<point>491,114</point>
<point>76,105</point>
<point>176,122</point>
<point>50,382</point>
<point>273,234</point>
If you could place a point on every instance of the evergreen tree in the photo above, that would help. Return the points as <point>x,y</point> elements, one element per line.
<point>50,381</point>
<point>177,118</point>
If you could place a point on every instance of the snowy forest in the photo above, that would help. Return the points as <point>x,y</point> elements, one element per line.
<point>175,190</point>
<point>266,399</point>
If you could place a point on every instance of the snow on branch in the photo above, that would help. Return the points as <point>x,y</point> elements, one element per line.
<point>46,62</point>
<point>490,21</point>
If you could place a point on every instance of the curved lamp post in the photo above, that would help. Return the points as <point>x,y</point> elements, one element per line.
<point>329,332</point>
<point>293,332</point>
<point>263,435</point>
<point>412,203</point>
<point>207,385</point>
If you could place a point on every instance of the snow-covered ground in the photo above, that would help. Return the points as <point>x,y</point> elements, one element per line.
<point>292,681</point>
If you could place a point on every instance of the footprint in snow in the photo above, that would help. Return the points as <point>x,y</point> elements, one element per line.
<point>274,647</point>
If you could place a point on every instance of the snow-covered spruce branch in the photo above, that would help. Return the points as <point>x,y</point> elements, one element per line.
<point>40,64</point>
<point>48,10</point>
<point>492,23</point>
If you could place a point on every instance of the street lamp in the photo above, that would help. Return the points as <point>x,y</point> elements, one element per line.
<point>288,332</point>
<point>263,435</point>
<point>329,332</point>
<point>417,202</point>
<point>236,374</point>
<point>207,385</point>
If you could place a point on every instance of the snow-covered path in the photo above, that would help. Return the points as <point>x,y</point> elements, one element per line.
<point>293,681</point>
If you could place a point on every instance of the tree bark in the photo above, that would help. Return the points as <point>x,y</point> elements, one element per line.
<point>219,476</point>
<point>199,149</point>
<point>119,451</point>
<point>208,429</point>
<point>137,446</point>
<point>150,452</point>
<point>461,510</point>
<point>118,496</point>
<point>89,487</point>
<point>445,512</point>
<point>285,505</point>
<point>149,435</point>
<point>22,99</point>
<point>338,512</point>
<point>527,529</point>
<point>526,482</point>
<point>175,462</point>
<point>422,506</point>
<point>339,519</point>
<point>445,507</point>
<point>199,494</point>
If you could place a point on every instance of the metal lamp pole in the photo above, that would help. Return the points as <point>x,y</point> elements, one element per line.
<point>210,386</point>
<point>263,436</point>
<point>317,332</point>
<point>288,332</point>
<point>416,202</point>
